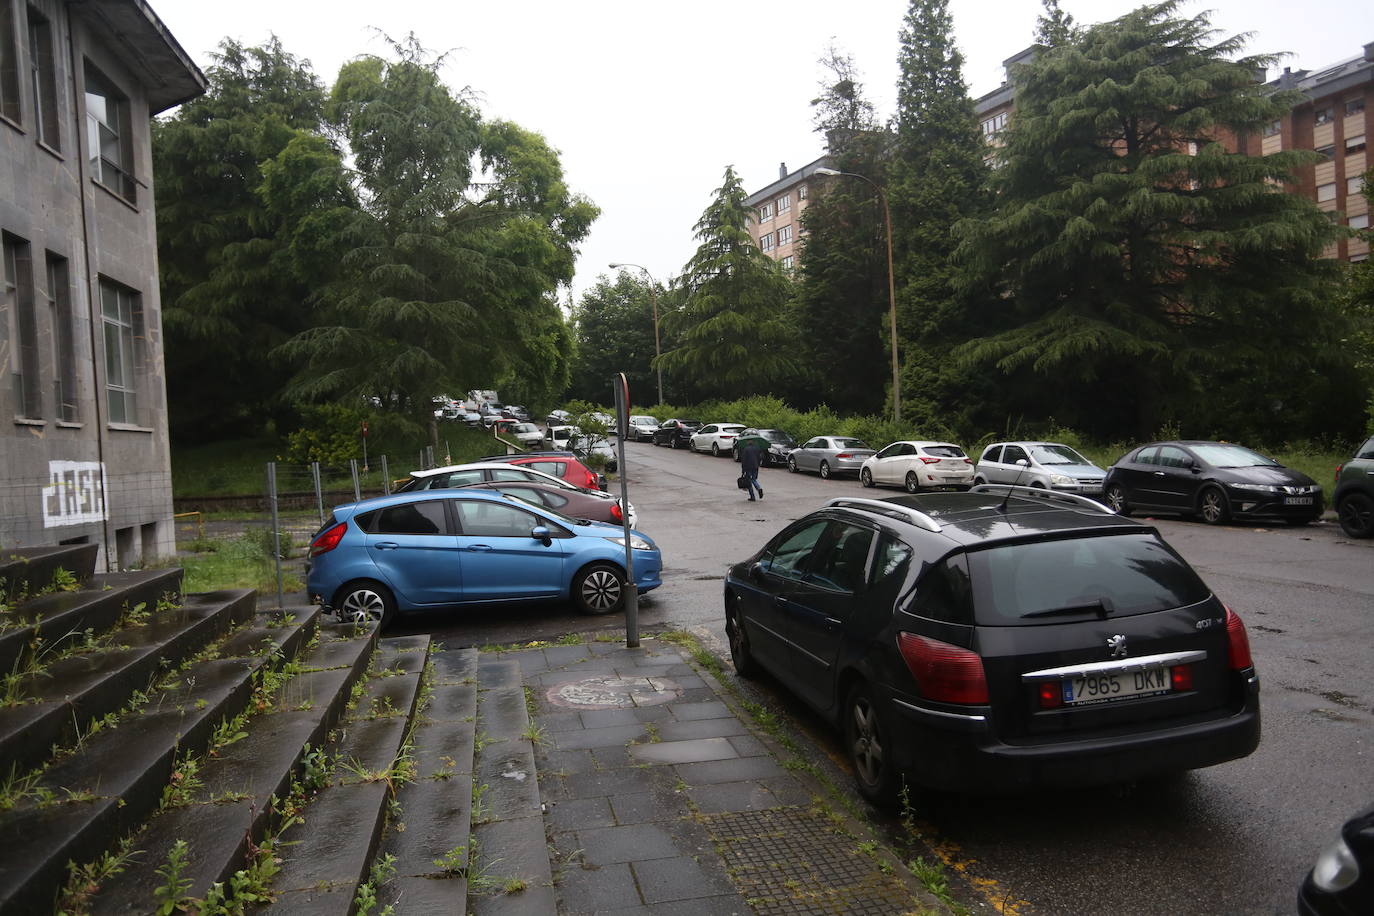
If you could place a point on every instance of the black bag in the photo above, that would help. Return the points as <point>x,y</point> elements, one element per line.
<point>743,482</point>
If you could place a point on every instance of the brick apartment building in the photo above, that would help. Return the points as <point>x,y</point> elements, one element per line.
<point>777,210</point>
<point>85,457</point>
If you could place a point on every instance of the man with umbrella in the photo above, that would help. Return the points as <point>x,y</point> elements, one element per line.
<point>751,452</point>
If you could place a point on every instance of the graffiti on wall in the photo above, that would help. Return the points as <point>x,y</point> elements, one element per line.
<point>75,494</point>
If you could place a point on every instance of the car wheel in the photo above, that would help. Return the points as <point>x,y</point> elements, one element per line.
<point>866,477</point>
<point>866,739</point>
<point>364,603</point>
<point>1116,499</point>
<point>1356,515</point>
<point>599,589</point>
<point>740,656</point>
<point>791,465</point>
<point>674,443</point>
<point>1212,506</point>
<point>912,482</point>
<point>715,450</point>
<point>978,481</point>
<point>825,470</point>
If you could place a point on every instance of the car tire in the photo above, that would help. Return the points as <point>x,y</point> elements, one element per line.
<point>674,443</point>
<point>912,482</point>
<point>867,742</point>
<point>745,664</point>
<point>715,450</point>
<point>866,477</point>
<point>1356,515</point>
<point>364,603</point>
<point>978,481</point>
<point>825,470</point>
<point>791,465</point>
<point>599,589</point>
<point>1212,506</point>
<point>1116,499</point>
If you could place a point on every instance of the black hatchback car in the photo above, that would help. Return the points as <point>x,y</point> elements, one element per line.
<point>997,640</point>
<point>676,433</point>
<point>1216,481</point>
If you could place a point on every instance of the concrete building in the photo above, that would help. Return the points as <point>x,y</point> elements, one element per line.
<point>777,209</point>
<point>1334,119</point>
<point>85,457</point>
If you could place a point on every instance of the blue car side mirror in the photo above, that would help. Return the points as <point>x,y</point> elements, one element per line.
<point>542,534</point>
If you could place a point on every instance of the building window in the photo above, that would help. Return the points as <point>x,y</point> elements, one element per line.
<point>784,204</point>
<point>1354,144</point>
<point>1326,192</point>
<point>122,314</point>
<point>1272,128</point>
<point>1354,185</point>
<point>64,337</point>
<point>1328,151</point>
<point>44,67</point>
<point>801,192</point>
<point>993,125</point>
<point>1322,115</point>
<point>109,142</point>
<point>1354,106</point>
<point>785,235</point>
<point>788,262</point>
<point>1359,222</point>
<point>766,241</point>
<point>28,393</point>
<point>9,63</point>
<point>1359,258</point>
<point>765,213</point>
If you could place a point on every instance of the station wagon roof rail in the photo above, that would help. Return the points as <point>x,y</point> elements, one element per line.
<point>916,517</point>
<point>1039,493</point>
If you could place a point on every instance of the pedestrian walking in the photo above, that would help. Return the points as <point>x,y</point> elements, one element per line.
<point>750,455</point>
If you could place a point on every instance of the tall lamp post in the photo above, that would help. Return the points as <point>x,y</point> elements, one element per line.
<point>653,300</point>
<point>891,286</point>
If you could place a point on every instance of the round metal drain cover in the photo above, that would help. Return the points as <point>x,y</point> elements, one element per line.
<point>613,692</point>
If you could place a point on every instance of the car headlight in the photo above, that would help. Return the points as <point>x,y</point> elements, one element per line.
<point>1336,868</point>
<point>1061,480</point>
<point>1256,487</point>
<point>636,543</point>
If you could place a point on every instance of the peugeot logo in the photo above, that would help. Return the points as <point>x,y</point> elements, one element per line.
<point>1117,645</point>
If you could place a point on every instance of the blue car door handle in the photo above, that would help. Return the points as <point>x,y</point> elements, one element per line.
<point>386,545</point>
<point>479,547</point>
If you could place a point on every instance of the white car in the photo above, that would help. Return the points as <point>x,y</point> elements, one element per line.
<point>641,427</point>
<point>528,435</point>
<point>918,465</point>
<point>716,438</point>
<point>560,437</point>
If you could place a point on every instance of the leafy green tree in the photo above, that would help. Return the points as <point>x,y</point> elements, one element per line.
<point>450,273</point>
<point>1054,26</point>
<point>1359,309</point>
<point>1135,262</point>
<point>735,332</point>
<point>250,196</point>
<point>937,177</point>
<point>614,330</point>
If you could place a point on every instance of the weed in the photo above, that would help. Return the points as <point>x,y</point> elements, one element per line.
<point>64,580</point>
<point>479,813</point>
<point>535,734</point>
<point>569,639</point>
<point>84,881</point>
<point>383,708</point>
<point>183,784</point>
<point>382,871</point>
<point>454,863</point>
<point>15,787</point>
<point>513,885</point>
<point>480,740</point>
<point>172,891</point>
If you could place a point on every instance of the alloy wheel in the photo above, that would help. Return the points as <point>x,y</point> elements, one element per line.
<point>600,590</point>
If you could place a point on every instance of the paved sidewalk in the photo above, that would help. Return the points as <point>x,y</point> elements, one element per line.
<point>659,798</point>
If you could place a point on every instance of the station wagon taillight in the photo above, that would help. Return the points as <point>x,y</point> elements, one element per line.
<point>616,513</point>
<point>328,540</point>
<point>943,672</point>
<point>1237,642</point>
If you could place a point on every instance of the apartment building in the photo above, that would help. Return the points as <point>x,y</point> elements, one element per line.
<point>1333,119</point>
<point>777,209</point>
<point>85,455</point>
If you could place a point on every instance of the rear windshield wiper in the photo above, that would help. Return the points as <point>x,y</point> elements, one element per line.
<point>1099,606</point>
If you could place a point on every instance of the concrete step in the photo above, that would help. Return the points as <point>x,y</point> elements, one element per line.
<point>64,698</point>
<point>109,783</point>
<point>233,808</point>
<point>26,571</point>
<point>46,625</point>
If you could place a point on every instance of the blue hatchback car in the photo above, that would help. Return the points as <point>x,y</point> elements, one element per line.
<point>438,548</point>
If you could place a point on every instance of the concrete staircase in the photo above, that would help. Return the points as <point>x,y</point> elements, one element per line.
<point>166,753</point>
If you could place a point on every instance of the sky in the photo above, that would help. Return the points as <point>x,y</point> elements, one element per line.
<point>648,102</point>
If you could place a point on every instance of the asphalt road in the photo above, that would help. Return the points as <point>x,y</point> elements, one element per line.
<point>1235,838</point>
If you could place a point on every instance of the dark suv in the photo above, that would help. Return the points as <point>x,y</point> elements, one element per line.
<point>1354,496</point>
<point>996,640</point>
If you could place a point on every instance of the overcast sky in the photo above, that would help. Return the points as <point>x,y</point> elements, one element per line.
<point>649,101</point>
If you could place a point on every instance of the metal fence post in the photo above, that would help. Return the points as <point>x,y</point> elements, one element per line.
<point>386,478</point>
<point>319,490</point>
<point>276,527</point>
<point>353,468</point>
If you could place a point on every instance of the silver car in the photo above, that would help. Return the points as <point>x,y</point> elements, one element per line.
<point>829,455</point>
<point>1051,465</point>
<point>641,428</point>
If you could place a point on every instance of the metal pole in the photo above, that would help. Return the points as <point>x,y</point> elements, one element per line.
<point>622,409</point>
<point>386,478</point>
<point>319,490</point>
<point>353,469</point>
<point>276,530</point>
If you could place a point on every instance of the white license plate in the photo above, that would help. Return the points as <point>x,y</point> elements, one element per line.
<point>1297,500</point>
<point>1089,488</point>
<point>1105,688</point>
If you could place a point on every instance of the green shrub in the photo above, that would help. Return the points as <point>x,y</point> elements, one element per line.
<point>330,434</point>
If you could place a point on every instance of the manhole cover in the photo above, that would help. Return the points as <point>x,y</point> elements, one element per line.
<point>613,692</point>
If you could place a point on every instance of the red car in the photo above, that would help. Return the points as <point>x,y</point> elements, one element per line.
<point>556,464</point>
<point>599,507</point>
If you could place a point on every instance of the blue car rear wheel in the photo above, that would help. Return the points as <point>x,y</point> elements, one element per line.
<point>364,603</point>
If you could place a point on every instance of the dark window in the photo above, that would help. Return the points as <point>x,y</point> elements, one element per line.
<point>944,593</point>
<point>1013,454</point>
<point>1171,457</point>
<point>19,302</point>
<point>1322,115</point>
<point>1147,455</point>
<point>1328,151</point>
<point>992,454</point>
<point>480,518</point>
<point>109,135</point>
<point>950,451</point>
<point>1272,128</point>
<point>552,468</point>
<point>1354,106</point>
<point>789,557</point>
<point>63,339</point>
<point>1125,574</point>
<point>412,518</point>
<point>44,68</point>
<point>844,566</point>
<point>9,63</point>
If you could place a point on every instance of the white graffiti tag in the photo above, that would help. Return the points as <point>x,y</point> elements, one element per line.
<point>75,493</point>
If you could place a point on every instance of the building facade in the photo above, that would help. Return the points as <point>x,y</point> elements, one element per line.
<point>776,225</point>
<point>85,456</point>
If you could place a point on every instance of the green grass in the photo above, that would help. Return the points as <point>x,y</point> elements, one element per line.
<point>238,563</point>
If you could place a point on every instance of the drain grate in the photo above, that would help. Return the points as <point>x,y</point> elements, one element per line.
<point>791,861</point>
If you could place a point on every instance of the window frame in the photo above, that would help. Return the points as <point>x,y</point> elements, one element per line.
<point>66,406</point>
<point>21,327</point>
<point>43,74</point>
<point>109,129</point>
<point>125,327</point>
<point>11,89</point>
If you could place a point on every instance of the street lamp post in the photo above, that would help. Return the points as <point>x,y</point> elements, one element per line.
<point>891,286</point>
<point>653,300</point>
